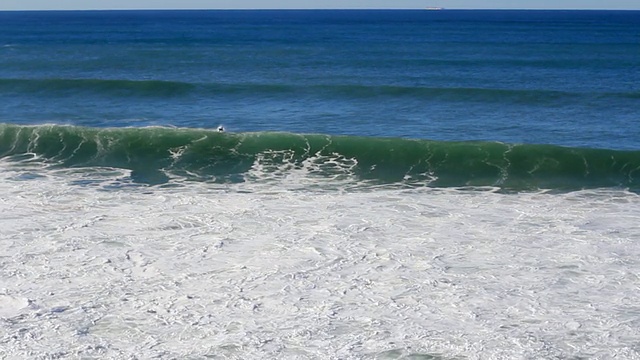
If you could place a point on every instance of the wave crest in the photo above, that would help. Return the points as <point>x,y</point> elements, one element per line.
<point>155,155</point>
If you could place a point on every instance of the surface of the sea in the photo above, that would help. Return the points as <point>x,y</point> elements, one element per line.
<point>389,185</point>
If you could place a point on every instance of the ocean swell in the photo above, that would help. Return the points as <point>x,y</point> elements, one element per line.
<point>162,89</point>
<point>156,155</point>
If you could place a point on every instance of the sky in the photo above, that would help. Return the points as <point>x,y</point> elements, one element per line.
<point>316,4</point>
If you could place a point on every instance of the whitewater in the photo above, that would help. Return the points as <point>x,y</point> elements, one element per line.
<point>97,268</point>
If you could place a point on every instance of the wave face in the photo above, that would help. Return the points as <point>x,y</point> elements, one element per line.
<point>160,155</point>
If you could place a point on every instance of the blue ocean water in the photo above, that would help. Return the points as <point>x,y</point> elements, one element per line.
<point>567,78</point>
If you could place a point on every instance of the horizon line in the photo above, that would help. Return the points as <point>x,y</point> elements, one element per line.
<point>330,9</point>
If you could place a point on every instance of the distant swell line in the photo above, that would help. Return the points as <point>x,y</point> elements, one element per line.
<point>112,87</point>
<point>163,89</point>
<point>450,93</point>
<point>156,154</point>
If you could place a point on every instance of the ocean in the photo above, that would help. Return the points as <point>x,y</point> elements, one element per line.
<point>389,184</point>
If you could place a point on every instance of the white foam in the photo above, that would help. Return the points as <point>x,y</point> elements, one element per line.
<point>11,306</point>
<point>258,271</point>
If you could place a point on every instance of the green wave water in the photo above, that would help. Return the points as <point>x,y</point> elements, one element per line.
<point>156,154</point>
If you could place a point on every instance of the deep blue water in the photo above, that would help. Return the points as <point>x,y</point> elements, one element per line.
<point>552,77</point>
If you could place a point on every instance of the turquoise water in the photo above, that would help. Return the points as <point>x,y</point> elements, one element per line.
<point>156,155</point>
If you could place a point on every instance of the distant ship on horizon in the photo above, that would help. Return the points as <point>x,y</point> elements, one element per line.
<point>433,8</point>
